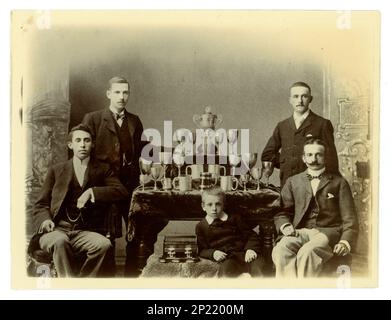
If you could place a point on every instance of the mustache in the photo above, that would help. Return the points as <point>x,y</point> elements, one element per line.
<point>313,163</point>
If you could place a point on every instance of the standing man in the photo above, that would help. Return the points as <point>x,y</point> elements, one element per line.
<point>118,143</point>
<point>118,133</point>
<point>284,148</point>
<point>72,209</point>
<point>317,218</point>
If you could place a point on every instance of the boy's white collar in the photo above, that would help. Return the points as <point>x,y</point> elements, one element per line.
<point>224,217</point>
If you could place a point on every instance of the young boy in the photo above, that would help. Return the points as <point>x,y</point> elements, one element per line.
<point>226,239</point>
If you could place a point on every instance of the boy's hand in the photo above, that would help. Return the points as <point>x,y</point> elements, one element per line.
<point>251,255</point>
<point>219,255</point>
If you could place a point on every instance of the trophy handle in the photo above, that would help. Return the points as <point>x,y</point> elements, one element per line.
<point>236,182</point>
<point>196,120</point>
<point>222,167</point>
<point>219,120</point>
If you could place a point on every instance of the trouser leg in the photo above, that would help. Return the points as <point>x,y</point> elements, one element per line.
<point>95,246</point>
<point>256,267</point>
<point>57,243</point>
<point>235,265</point>
<point>230,268</point>
<point>284,256</point>
<point>313,254</point>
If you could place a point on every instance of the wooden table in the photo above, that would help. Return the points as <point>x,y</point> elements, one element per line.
<point>150,211</point>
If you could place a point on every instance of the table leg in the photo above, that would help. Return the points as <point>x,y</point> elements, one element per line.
<point>141,247</point>
<point>268,239</point>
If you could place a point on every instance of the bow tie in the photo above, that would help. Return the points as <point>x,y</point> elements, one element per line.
<point>120,116</point>
<point>311,177</point>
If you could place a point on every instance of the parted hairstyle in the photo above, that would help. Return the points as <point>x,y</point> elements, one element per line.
<point>213,191</point>
<point>300,84</point>
<point>80,127</point>
<point>314,141</point>
<point>117,80</point>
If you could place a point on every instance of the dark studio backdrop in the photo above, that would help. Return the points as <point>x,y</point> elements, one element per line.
<point>174,74</point>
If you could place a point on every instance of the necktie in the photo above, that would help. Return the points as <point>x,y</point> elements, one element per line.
<point>311,177</point>
<point>119,116</point>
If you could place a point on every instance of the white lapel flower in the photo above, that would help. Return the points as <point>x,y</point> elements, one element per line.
<point>330,195</point>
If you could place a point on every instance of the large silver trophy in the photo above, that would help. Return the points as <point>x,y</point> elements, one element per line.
<point>208,122</point>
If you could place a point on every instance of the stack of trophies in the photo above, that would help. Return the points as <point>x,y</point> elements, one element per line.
<point>203,174</point>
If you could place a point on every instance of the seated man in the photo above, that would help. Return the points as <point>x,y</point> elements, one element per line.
<point>70,211</point>
<point>318,217</point>
<point>227,239</point>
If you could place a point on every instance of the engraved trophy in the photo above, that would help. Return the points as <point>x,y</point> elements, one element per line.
<point>268,170</point>
<point>171,252</point>
<point>145,169</point>
<point>208,120</point>
<point>165,159</point>
<point>156,174</point>
<point>189,253</point>
<point>208,123</point>
<point>234,160</point>
<point>249,161</point>
<point>181,151</point>
<point>256,173</point>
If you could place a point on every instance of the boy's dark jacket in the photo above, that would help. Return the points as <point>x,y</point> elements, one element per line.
<point>233,235</point>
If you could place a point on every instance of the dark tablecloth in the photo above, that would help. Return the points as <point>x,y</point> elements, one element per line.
<point>176,205</point>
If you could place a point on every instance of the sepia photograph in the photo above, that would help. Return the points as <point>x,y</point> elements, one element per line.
<point>195,149</point>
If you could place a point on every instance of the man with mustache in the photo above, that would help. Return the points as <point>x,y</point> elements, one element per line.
<point>317,218</point>
<point>284,148</point>
<point>118,143</point>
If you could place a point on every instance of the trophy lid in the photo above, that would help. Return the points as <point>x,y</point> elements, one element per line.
<point>208,110</point>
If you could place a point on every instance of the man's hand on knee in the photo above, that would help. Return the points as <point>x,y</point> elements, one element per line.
<point>341,249</point>
<point>47,226</point>
<point>289,231</point>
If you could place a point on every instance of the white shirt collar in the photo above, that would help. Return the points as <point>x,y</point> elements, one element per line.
<point>114,111</point>
<point>210,220</point>
<point>315,173</point>
<point>80,163</point>
<point>300,118</point>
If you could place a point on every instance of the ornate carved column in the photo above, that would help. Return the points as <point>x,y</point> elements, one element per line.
<point>47,125</point>
<point>46,119</point>
<point>354,142</point>
<point>347,102</point>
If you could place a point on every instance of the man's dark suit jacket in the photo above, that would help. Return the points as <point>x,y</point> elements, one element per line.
<point>285,146</point>
<point>106,188</point>
<point>107,145</point>
<point>337,217</point>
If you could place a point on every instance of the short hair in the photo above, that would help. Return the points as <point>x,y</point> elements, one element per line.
<point>313,140</point>
<point>213,191</point>
<point>118,80</point>
<point>300,84</point>
<point>80,127</point>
